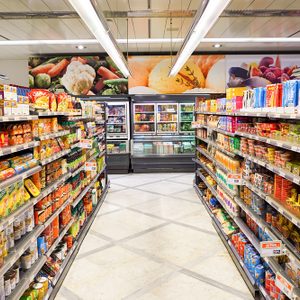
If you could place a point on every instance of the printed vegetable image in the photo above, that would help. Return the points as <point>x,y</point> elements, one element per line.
<point>77,75</point>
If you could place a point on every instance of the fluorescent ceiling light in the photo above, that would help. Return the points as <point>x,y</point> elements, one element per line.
<point>202,24</point>
<point>148,41</point>
<point>217,45</point>
<point>97,25</point>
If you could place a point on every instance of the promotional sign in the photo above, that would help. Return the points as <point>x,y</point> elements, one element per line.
<point>284,285</point>
<point>235,179</point>
<point>90,166</point>
<point>271,248</point>
<point>77,75</point>
<point>200,74</point>
<point>259,70</point>
<point>86,144</point>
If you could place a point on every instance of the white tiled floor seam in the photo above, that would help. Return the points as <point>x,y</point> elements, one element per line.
<point>153,240</point>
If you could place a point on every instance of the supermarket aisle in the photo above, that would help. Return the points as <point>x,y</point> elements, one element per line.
<point>153,240</point>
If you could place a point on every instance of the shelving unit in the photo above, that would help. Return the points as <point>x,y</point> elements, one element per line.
<point>207,150</point>
<point>31,237</point>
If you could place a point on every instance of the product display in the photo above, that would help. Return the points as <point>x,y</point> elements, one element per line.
<point>163,137</point>
<point>248,178</point>
<point>62,168</point>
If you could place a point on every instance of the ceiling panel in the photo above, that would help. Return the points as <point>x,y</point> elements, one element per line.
<point>114,5</point>
<point>160,4</point>
<point>239,4</point>
<point>138,4</point>
<point>141,28</point>
<point>34,5</point>
<point>63,5</point>
<point>80,30</point>
<point>12,5</point>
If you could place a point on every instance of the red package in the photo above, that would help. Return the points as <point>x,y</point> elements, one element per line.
<point>62,102</point>
<point>52,102</point>
<point>39,98</point>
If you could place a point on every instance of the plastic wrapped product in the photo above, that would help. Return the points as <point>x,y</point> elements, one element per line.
<point>290,93</point>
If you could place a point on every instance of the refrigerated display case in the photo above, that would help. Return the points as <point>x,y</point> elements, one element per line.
<point>118,135</point>
<point>159,141</point>
<point>186,117</point>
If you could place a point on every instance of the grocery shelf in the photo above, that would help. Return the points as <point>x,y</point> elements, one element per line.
<point>202,139</point>
<point>57,212</point>
<point>208,170</point>
<point>212,189</point>
<point>167,122</point>
<point>284,116</point>
<point>215,113</point>
<point>221,131</point>
<point>278,143</point>
<point>144,122</point>
<point>264,292</point>
<point>202,200</point>
<point>226,189</point>
<point>53,135</point>
<point>19,177</point>
<point>26,278</point>
<point>51,113</point>
<point>275,204</point>
<point>205,153</point>
<point>60,237</point>
<point>79,118</point>
<point>54,157</point>
<point>78,170</point>
<point>251,114</point>
<point>76,145</point>
<point>18,118</point>
<point>82,194</point>
<point>280,171</point>
<point>162,155</point>
<point>52,187</point>
<point>61,274</point>
<point>116,123</point>
<point>17,148</point>
<point>220,148</point>
<point>20,247</point>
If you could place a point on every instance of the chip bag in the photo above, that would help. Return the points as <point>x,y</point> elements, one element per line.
<point>52,102</point>
<point>39,98</point>
<point>62,102</point>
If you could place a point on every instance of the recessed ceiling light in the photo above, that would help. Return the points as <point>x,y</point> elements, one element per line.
<point>217,45</point>
<point>80,47</point>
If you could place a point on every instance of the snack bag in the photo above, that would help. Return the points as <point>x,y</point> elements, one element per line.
<point>62,102</point>
<point>39,98</point>
<point>52,102</point>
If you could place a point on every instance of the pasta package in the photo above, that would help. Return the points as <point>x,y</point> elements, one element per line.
<point>62,102</point>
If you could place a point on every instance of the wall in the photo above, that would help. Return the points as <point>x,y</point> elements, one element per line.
<point>15,70</point>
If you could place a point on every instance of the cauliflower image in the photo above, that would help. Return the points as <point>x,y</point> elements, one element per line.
<point>78,78</point>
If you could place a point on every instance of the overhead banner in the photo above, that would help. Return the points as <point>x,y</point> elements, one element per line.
<point>77,75</point>
<point>259,70</point>
<point>200,74</point>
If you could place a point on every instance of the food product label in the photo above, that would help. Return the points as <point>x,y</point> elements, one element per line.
<point>271,248</point>
<point>86,144</point>
<point>90,166</point>
<point>284,285</point>
<point>235,179</point>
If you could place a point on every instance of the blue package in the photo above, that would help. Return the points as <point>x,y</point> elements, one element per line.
<point>290,95</point>
<point>259,274</point>
<point>259,97</point>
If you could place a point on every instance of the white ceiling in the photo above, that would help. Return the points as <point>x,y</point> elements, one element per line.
<point>47,28</point>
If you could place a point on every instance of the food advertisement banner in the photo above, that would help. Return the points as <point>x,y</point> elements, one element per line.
<point>77,75</point>
<point>260,70</point>
<point>200,74</point>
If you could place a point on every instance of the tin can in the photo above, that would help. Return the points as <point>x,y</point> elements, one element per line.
<point>40,289</point>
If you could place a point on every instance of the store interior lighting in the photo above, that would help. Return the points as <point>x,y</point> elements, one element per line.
<point>97,25</point>
<point>202,24</point>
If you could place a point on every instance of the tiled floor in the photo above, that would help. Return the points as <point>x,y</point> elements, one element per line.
<point>153,239</point>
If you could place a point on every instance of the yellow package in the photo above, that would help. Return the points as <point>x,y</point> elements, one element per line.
<point>32,189</point>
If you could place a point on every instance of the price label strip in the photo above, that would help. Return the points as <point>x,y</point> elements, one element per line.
<point>90,166</point>
<point>86,144</point>
<point>284,285</point>
<point>271,248</point>
<point>235,179</point>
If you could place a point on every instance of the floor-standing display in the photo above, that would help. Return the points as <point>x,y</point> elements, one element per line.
<point>118,135</point>
<point>162,136</point>
<point>247,178</point>
<point>53,181</point>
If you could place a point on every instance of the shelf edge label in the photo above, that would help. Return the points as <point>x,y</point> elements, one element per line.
<point>283,284</point>
<point>271,248</point>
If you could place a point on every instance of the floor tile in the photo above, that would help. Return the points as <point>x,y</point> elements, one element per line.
<point>167,207</point>
<point>124,223</point>
<point>183,287</point>
<point>188,194</point>
<point>112,274</point>
<point>177,244</point>
<point>116,187</point>
<point>91,242</point>
<point>130,197</point>
<point>164,187</point>
<point>107,207</point>
<point>134,180</point>
<point>200,219</point>
<point>226,273</point>
<point>185,178</point>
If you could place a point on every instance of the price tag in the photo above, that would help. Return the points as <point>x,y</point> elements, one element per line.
<point>235,179</point>
<point>86,144</point>
<point>90,166</point>
<point>271,248</point>
<point>284,285</point>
